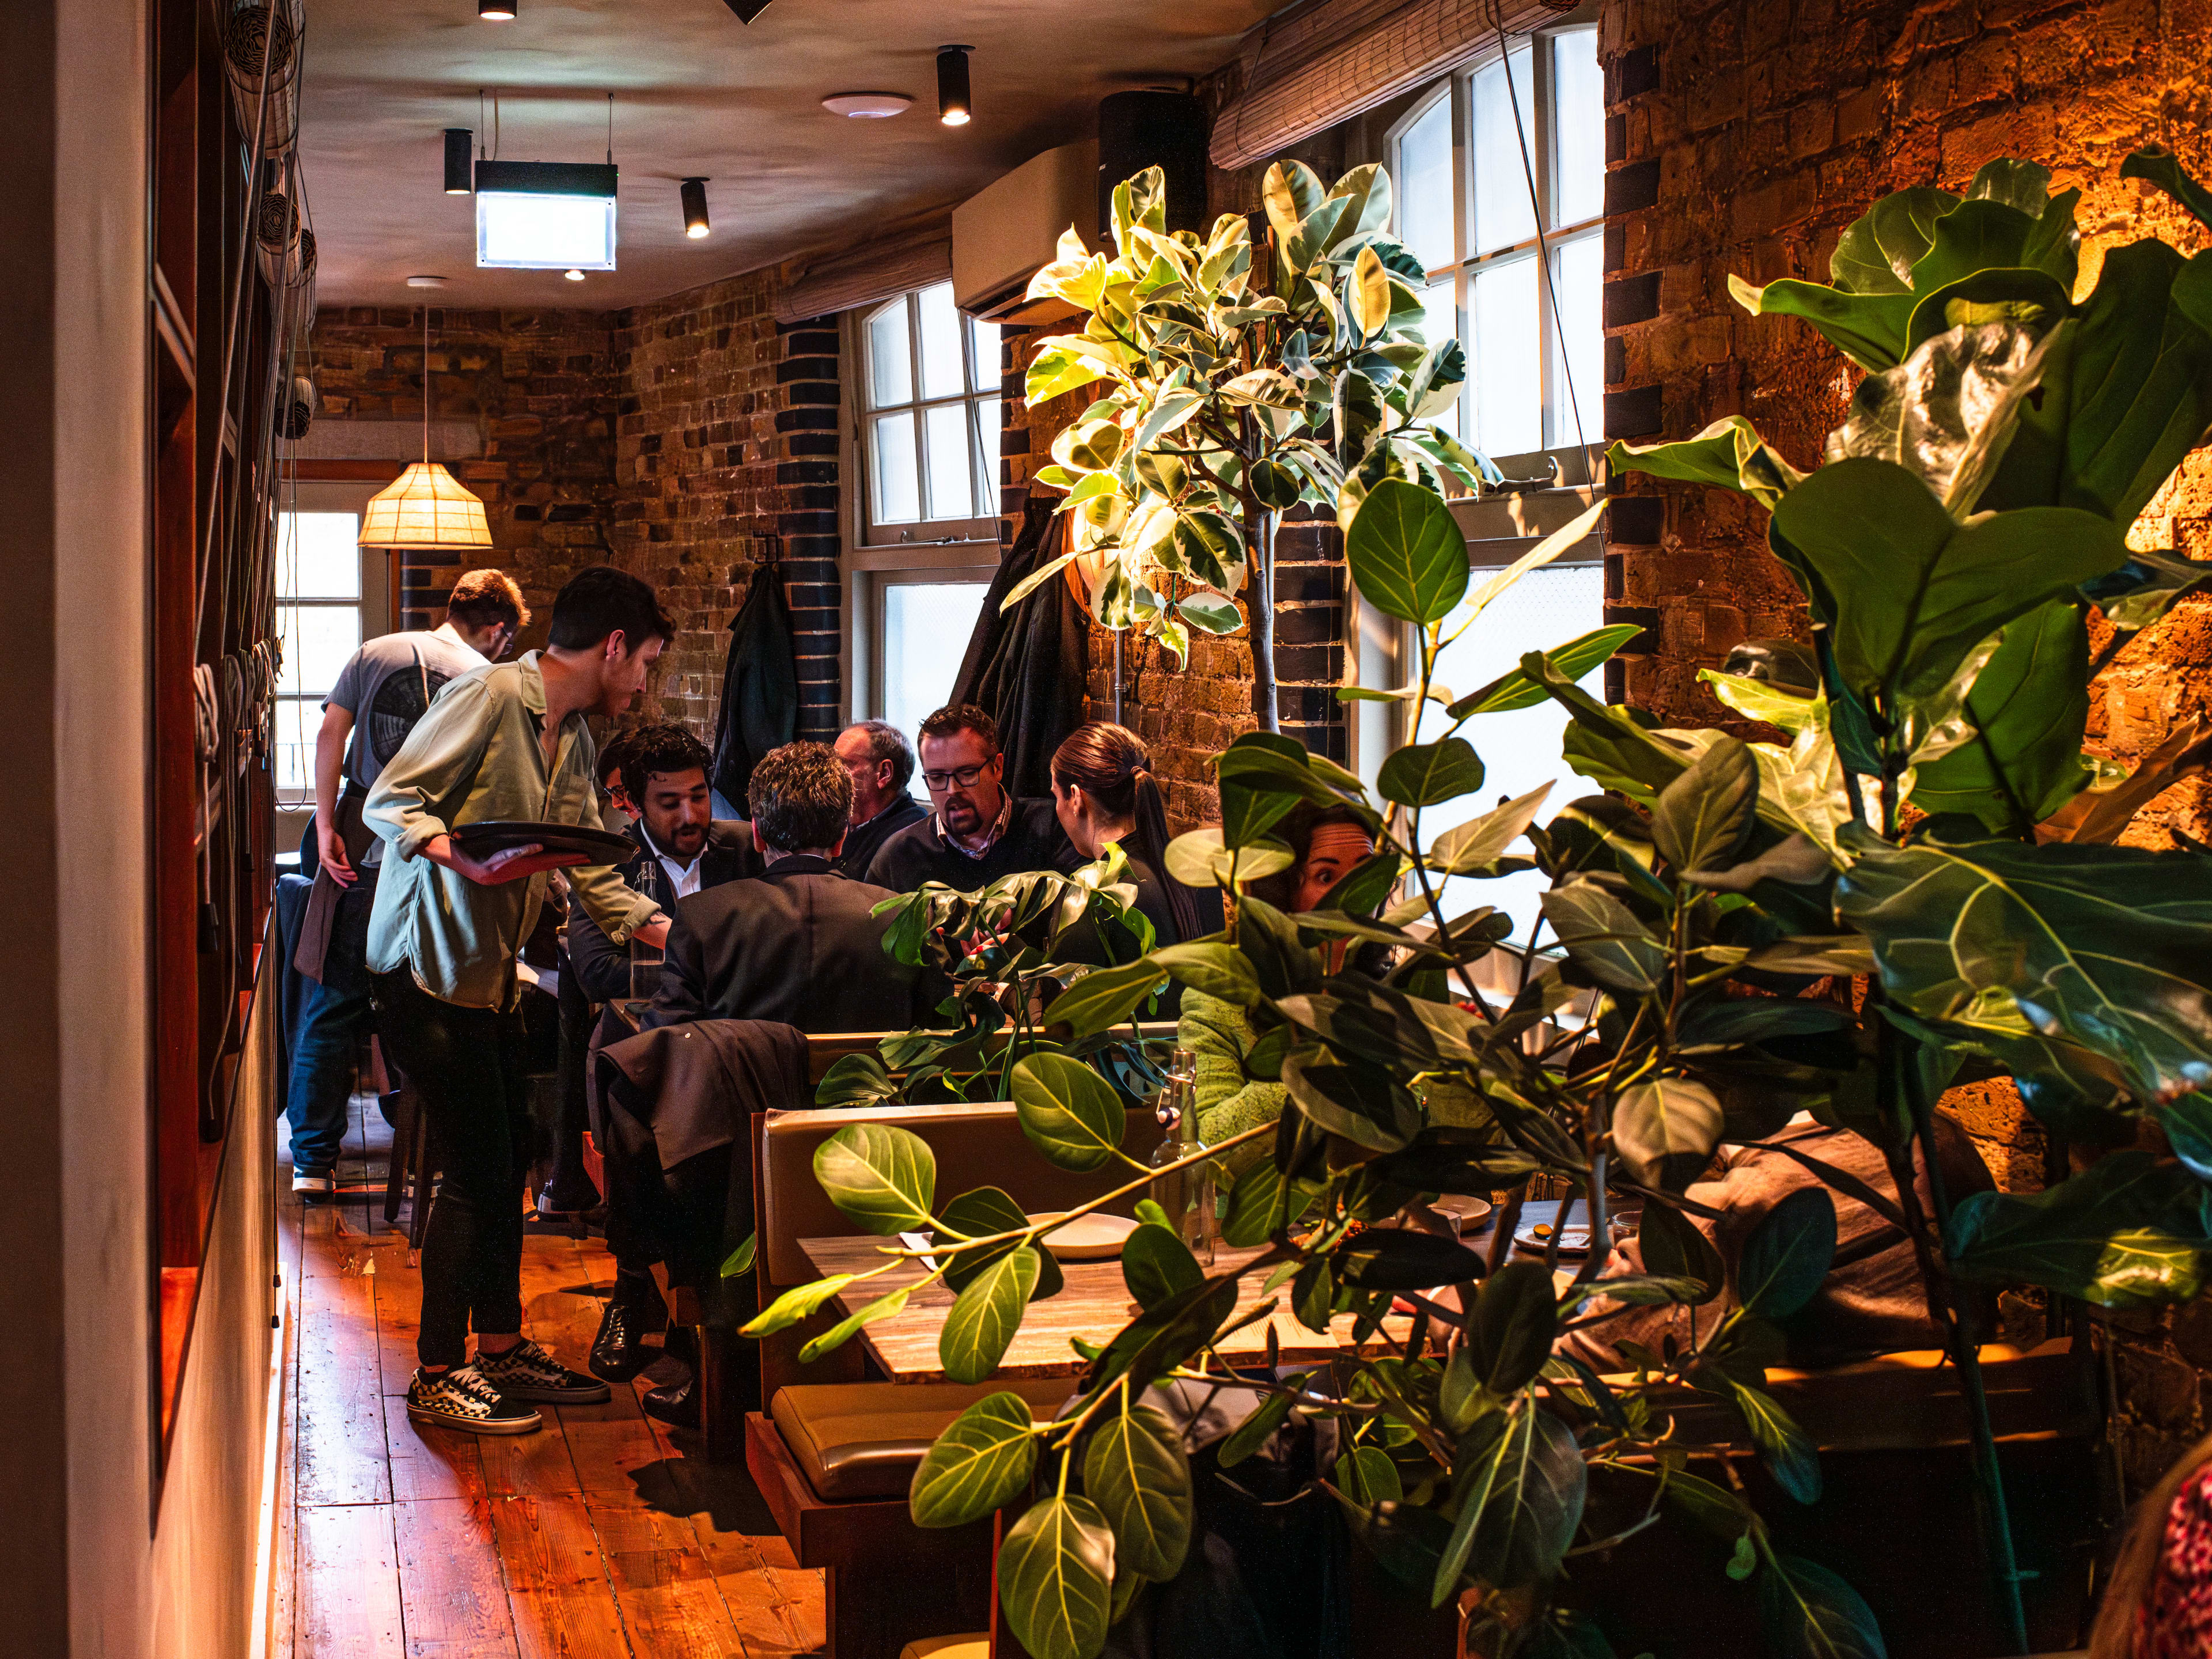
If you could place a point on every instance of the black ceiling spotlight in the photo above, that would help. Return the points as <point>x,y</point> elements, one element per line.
<point>954,105</point>
<point>461,165</point>
<point>695,207</point>
<point>495,11</point>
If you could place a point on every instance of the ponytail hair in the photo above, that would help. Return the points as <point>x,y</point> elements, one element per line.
<point>1110,763</point>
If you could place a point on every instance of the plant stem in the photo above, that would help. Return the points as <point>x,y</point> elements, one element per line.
<point>1265,701</point>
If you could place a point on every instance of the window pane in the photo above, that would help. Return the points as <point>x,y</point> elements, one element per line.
<point>926,629</point>
<point>944,374</point>
<point>1578,134</point>
<point>952,483</point>
<point>898,482</point>
<point>1440,311</point>
<point>1425,185</point>
<point>317,557</point>
<point>986,356</point>
<point>1502,216</point>
<point>318,640</point>
<point>1506,361</point>
<point>297,722</point>
<point>989,418</point>
<point>1519,751</point>
<point>1580,267</point>
<point>891,368</point>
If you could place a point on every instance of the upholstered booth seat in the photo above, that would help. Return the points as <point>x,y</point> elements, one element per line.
<point>859,1440</point>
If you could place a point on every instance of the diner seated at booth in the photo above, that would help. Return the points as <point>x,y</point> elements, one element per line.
<point>881,764</point>
<point>798,944</point>
<point>977,832</point>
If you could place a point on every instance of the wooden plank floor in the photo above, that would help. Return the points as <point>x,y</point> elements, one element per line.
<point>595,1538</point>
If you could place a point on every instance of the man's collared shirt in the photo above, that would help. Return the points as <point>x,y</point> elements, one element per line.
<point>477,756</point>
<point>977,847</point>
<point>683,879</point>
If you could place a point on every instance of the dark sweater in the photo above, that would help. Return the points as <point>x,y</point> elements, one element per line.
<point>918,854</point>
<point>864,841</point>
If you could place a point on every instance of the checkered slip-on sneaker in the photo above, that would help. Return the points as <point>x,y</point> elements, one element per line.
<point>461,1398</point>
<point>526,1372</point>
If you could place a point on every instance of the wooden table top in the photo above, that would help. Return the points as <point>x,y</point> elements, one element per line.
<point>1094,1304</point>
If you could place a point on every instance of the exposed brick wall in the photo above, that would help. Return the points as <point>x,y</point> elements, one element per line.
<point>1743,136</point>
<point>688,441</point>
<point>542,387</point>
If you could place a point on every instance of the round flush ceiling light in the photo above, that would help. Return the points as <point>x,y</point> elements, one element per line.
<point>867,105</point>
<point>574,275</point>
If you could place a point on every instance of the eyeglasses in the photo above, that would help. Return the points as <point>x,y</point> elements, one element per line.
<point>965,777</point>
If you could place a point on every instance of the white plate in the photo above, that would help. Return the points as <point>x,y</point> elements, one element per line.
<point>1574,1243</point>
<point>1093,1237</point>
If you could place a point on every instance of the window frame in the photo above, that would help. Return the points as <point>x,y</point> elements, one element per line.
<point>1568,450</point>
<point>377,582</point>
<point>978,387</point>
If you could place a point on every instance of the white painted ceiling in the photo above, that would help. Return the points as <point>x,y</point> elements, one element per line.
<point>698,93</point>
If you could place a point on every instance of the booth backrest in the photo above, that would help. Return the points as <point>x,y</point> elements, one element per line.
<point>980,1145</point>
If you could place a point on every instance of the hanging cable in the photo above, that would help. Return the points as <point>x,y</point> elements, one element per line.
<point>610,129</point>
<point>1536,215</point>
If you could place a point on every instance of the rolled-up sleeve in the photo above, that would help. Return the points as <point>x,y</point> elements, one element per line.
<point>446,746</point>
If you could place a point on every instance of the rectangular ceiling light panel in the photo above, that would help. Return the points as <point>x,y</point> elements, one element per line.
<point>545,216</point>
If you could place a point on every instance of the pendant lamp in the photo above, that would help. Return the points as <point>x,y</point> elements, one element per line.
<point>426,507</point>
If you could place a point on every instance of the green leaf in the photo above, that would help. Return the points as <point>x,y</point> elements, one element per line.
<point>1604,937</point>
<point>882,1178</point>
<point>1251,1210</point>
<point>855,1080</point>
<point>983,1460</point>
<point>2159,165</point>
<point>1675,1247</point>
<point>1915,592</point>
<point>1786,1450</point>
<point>1868,328</point>
<point>1056,1577</point>
<point>1515,1321</point>
<point>1400,1259</point>
<point>1705,817</point>
<point>1811,1613</point>
<point>1666,1129</point>
<point>1135,1470</point>
<point>1468,849</point>
<point>1407,553</point>
<point>1070,1113</point>
<point>2127,1232</point>
<point>1157,1265</point>
<point>1877,252</point>
<point>1367,295</point>
<point>979,1214</point>
<point>1788,1254</point>
<point>1104,997</point>
<point>2095,949</point>
<point>845,1329</point>
<point>2145,587</point>
<point>1949,411</point>
<point>2029,708</point>
<point>1054,372</point>
<point>985,1317</point>
<point>1366,1477</point>
<point>2140,379</point>
<point>1730,453</point>
<point>1219,970</point>
<point>1571,661</point>
<point>801,1302</point>
<point>1423,774</point>
<point>1363,1103</point>
<point>739,1262</point>
<point>1210,613</point>
<point>1519,1481</point>
<point>1258,1427</point>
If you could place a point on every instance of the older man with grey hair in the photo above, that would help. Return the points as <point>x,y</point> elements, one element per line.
<point>881,762</point>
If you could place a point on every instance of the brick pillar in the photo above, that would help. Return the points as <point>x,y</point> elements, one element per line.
<point>1310,639</point>
<point>1634,522</point>
<point>807,521</point>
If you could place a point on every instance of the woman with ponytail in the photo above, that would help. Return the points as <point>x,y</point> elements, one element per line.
<point>1102,790</point>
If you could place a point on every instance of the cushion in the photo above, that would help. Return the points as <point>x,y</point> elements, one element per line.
<point>858,1440</point>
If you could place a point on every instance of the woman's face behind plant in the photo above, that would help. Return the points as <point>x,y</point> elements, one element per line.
<point>1335,851</point>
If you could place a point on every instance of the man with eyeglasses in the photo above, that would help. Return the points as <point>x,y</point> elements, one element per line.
<point>978,832</point>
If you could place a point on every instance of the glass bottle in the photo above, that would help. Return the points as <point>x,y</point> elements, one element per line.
<point>1187,1194</point>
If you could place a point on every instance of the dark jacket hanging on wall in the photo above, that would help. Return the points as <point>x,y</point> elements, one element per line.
<point>760,687</point>
<point>1027,666</point>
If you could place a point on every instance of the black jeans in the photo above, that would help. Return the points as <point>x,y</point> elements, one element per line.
<point>468,1067</point>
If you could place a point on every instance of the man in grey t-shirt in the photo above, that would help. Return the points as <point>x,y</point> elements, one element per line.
<point>384,688</point>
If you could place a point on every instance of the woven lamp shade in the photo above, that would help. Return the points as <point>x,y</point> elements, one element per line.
<point>425,506</point>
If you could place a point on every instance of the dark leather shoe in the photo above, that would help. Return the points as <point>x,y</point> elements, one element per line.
<point>676,1405</point>
<point>618,1352</point>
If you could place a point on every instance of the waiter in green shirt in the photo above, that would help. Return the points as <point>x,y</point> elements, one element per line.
<point>505,742</point>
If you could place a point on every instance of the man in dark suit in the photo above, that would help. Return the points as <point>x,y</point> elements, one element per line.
<point>680,851</point>
<point>881,762</point>
<point>798,944</point>
<point>979,832</point>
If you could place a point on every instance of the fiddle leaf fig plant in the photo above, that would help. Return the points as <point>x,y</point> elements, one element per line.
<point>1837,923</point>
<point>1221,407</point>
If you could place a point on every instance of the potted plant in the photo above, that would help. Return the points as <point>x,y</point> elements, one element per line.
<point>1929,825</point>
